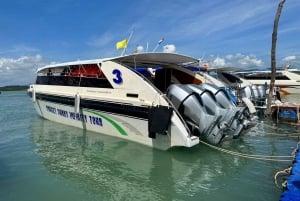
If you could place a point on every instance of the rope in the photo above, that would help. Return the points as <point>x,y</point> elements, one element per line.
<point>257,157</point>
<point>282,173</point>
<point>286,172</point>
<point>297,148</point>
<point>298,113</point>
<point>277,114</point>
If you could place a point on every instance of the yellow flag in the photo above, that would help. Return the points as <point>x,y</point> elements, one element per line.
<point>121,44</point>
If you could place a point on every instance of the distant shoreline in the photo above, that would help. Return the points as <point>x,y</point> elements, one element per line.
<point>14,88</point>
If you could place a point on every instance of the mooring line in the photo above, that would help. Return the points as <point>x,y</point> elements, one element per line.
<point>257,157</point>
<point>282,173</point>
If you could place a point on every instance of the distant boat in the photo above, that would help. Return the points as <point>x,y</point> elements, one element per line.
<point>288,80</point>
<point>240,87</point>
<point>148,98</point>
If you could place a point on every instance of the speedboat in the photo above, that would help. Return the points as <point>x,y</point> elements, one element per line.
<point>239,89</point>
<point>134,97</point>
<point>288,80</point>
<point>243,87</point>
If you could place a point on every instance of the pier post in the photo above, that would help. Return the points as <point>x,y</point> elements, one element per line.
<point>273,57</point>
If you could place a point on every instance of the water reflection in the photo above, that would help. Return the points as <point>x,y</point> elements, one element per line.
<point>114,169</point>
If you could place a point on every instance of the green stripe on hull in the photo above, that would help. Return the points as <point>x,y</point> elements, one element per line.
<point>112,122</point>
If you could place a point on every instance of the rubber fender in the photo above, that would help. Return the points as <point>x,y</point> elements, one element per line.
<point>293,183</point>
<point>297,157</point>
<point>290,196</point>
<point>296,163</point>
<point>288,114</point>
<point>295,170</point>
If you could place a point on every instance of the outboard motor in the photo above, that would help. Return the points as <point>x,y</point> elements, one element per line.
<point>199,109</point>
<point>247,110</point>
<point>256,93</point>
<point>231,114</point>
<point>246,92</point>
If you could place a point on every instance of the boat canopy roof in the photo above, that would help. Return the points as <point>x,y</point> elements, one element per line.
<point>156,59</point>
<point>137,60</point>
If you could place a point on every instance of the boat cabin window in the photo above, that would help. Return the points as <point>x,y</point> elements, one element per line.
<point>231,78</point>
<point>163,77</point>
<point>262,76</point>
<point>85,75</point>
<point>297,72</point>
<point>87,70</point>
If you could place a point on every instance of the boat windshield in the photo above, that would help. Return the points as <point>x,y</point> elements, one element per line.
<point>85,75</point>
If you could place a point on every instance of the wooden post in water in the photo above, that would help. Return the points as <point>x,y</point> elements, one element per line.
<point>273,58</point>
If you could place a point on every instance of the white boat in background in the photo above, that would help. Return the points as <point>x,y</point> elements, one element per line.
<point>288,80</point>
<point>239,89</point>
<point>148,98</point>
<point>244,88</point>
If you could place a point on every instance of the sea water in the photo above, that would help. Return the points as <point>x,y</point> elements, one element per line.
<point>43,160</point>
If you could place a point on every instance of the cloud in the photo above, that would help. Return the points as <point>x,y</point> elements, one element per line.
<point>293,60</point>
<point>214,17</point>
<point>289,58</point>
<point>20,70</point>
<point>220,62</point>
<point>237,60</point>
<point>19,49</point>
<point>102,40</point>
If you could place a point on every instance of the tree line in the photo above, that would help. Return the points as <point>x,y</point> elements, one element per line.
<point>14,88</point>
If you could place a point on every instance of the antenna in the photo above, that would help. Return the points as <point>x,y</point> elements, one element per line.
<point>147,47</point>
<point>159,42</point>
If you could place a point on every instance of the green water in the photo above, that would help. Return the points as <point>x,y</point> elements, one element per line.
<point>42,160</point>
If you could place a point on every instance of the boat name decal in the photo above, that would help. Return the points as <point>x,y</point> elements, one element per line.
<point>118,79</point>
<point>94,120</point>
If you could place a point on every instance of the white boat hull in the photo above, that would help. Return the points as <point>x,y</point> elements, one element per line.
<point>286,86</point>
<point>116,125</point>
<point>287,80</point>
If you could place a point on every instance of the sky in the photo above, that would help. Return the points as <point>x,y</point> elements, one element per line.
<point>235,33</point>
